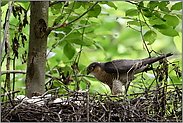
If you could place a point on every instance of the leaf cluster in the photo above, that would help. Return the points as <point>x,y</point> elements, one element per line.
<point>156,16</point>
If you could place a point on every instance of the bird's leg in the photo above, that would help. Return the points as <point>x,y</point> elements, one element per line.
<point>116,84</point>
<point>127,84</point>
<point>129,71</point>
<point>117,87</point>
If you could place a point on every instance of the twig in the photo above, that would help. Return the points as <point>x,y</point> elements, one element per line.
<point>11,92</point>
<point>88,98</point>
<point>142,33</point>
<point>50,91</point>
<point>74,69</point>
<point>69,12</point>
<point>14,75</point>
<point>9,96</point>
<point>13,110</point>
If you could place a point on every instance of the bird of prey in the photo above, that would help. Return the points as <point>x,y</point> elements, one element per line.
<point>117,72</point>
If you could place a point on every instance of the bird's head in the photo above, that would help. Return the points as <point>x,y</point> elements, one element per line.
<point>93,67</point>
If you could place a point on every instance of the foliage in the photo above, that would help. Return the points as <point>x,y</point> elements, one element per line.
<point>105,32</point>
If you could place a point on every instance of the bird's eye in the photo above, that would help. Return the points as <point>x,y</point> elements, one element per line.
<point>91,68</point>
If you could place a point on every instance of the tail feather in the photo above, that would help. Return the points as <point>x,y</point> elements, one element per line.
<point>155,59</point>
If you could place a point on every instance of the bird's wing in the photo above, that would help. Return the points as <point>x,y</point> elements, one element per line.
<point>121,65</point>
<point>124,65</point>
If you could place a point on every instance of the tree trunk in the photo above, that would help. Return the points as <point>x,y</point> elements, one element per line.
<point>36,63</point>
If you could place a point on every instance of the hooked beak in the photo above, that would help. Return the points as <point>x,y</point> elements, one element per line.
<point>88,72</point>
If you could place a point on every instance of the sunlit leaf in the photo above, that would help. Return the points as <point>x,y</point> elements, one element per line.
<point>111,4</point>
<point>178,42</point>
<point>177,6</point>
<point>56,8</point>
<point>150,36</point>
<point>163,6</point>
<point>131,12</point>
<point>171,20</point>
<point>136,23</point>
<point>166,30</point>
<point>156,21</point>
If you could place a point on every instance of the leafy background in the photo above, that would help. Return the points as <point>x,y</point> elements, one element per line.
<point>105,33</point>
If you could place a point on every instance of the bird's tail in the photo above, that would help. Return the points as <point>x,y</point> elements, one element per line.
<point>155,59</point>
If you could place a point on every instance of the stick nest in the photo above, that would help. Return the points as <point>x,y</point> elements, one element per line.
<point>81,106</point>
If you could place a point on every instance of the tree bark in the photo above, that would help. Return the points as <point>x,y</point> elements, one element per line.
<point>36,63</point>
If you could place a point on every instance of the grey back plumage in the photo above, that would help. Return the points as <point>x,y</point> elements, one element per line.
<point>123,65</point>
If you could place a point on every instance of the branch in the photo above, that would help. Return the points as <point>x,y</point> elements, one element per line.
<point>69,12</point>
<point>48,75</point>
<point>6,27</point>
<point>142,33</point>
<point>12,92</point>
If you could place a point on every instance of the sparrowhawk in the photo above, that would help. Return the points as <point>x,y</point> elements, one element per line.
<point>116,73</point>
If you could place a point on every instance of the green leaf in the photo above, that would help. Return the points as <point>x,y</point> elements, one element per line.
<point>178,42</point>
<point>157,14</point>
<point>156,21</point>
<point>136,23</point>
<point>77,5</point>
<point>162,6</point>
<point>76,37</point>
<point>140,5</point>
<point>69,51</point>
<point>111,4</point>
<point>171,20</point>
<point>131,12</point>
<point>95,11</point>
<point>152,4</point>
<point>127,17</point>
<point>147,12</point>
<point>177,6</point>
<point>66,30</point>
<point>150,36</point>
<point>56,8</point>
<point>103,2</point>
<point>58,19</point>
<point>3,3</point>
<point>166,30</point>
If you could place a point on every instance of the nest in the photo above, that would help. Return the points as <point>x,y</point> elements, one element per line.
<point>82,106</point>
